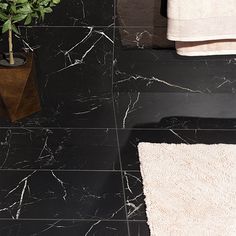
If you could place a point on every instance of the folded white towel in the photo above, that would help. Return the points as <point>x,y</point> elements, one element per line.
<point>200,20</point>
<point>206,48</point>
<point>202,27</point>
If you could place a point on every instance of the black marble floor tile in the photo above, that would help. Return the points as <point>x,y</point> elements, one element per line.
<point>74,73</point>
<point>151,85</point>
<point>62,228</point>
<point>139,229</point>
<point>136,208</point>
<point>61,195</point>
<point>153,70</point>
<point>71,111</point>
<point>58,175</point>
<point>149,110</point>
<point>129,140</point>
<point>68,149</point>
<point>78,58</point>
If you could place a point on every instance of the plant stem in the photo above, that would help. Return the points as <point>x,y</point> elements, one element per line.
<point>11,56</point>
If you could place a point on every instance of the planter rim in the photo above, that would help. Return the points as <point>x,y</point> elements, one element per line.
<point>19,55</point>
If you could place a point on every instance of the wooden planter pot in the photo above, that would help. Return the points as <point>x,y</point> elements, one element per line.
<point>18,92</point>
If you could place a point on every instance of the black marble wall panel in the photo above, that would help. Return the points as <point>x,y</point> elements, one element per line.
<point>144,37</point>
<point>142,22</point>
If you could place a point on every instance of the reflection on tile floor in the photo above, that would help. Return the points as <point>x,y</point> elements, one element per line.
<point>73,168</point>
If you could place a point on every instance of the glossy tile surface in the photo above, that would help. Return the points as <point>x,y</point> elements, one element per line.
<point>81,13</point>
<point>160,71</point>
<point>139,228</point>
<point>136,209</point>
<point>62,227</point>
<point>130,138</point>
<point>68,149</point>
<point>169,110</point>
<point>74,76</point>
<point>67,195</point>
<point>159,89</point>
<point>73,168</point>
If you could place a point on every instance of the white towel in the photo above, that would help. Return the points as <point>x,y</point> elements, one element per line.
<point>206,21</point>
<point>206,48</point>
<point>200,20</point>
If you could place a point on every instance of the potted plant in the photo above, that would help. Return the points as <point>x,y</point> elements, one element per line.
<point>13,12</point>
<point>17,69</point>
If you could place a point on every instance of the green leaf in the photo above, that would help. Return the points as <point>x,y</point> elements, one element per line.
<point>3,16</point>
<point>56,1</point>
<point>15,29</point>
<point>13,8</point>
<point>48,10</point>
<point>28,20</point>
<point>42,13</point>
<point>35,15</point>
<point>21,1</point>
<point>45,2</point>
<point>6,26</point>
<point>19,17</point>
<point>25,9</point>
<point>3,6</point>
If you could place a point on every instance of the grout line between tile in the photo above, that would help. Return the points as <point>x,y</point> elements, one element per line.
<point>73,219</point>
<point>114,113</point>
<point>113,128</point>
<point>66,170</point>
<point>86,26</point>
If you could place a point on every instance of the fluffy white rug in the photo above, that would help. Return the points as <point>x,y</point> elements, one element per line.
<point>190,189</point>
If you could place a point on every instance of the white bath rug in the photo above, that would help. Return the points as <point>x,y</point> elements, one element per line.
<point>190,190</point>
